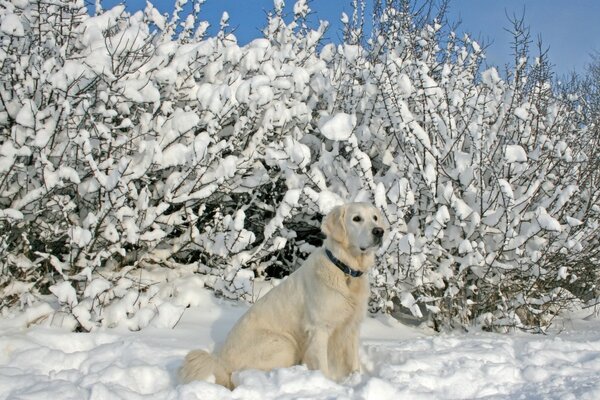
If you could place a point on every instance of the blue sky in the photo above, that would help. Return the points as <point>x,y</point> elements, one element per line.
<point>569,28</point>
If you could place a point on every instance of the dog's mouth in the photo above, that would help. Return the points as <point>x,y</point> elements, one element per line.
<point>373,246</point>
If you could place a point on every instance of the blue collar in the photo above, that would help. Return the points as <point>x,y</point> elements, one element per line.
<point>343,267</point>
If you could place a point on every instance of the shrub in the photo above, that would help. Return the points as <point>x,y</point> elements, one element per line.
<point>140,161</point>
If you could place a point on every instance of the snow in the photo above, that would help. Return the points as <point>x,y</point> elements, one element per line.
<point>11,25</point>
<point>546,221</point>
<point>326,200</point>
<point>155,16</point>
<point>80,236</point>
<point>515,154</point>
<point>129,150</point>
<point>490,77</point>
<point>338,126</point>
<point>297,152</point>
<point>175,154</point>
<point>405,87</point>
<point>506,190</point>
<point>397,362</point>
<point>522,113</point>
<point>563,272</point>
<point>301,8</point>
<point>290,199</point>
<point>9,213</point>
<point>26,115</point>
<point>65,293</point>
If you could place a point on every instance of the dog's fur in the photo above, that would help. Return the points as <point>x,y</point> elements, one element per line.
<point>310,318</point>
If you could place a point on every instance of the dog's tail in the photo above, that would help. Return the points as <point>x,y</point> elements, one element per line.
<point>201,365</point>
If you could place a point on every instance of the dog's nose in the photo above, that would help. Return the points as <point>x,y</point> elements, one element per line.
<point>378,232</point>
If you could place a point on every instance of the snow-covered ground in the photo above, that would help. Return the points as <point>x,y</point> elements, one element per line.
<point>398,363</point>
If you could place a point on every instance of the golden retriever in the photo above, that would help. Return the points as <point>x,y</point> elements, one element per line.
<point>310,318</point>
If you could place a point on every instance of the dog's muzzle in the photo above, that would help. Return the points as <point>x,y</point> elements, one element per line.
<point>377,238</point>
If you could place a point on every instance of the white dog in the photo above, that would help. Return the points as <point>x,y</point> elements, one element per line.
<point>313,316</point>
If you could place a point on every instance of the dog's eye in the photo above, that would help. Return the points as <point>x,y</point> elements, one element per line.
<point>374,217</point>
<point>357,218</point>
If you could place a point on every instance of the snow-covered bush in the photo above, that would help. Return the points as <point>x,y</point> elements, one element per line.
<point>494,178</point>
<point>134,154</point>
<point>141,159</point>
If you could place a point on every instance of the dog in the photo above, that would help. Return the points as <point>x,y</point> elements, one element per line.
<point>312,317</point>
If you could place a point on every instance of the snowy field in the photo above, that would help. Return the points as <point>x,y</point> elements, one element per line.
<point>398,363</point>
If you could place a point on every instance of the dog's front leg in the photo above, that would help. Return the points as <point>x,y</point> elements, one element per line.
<point>315,356</point>
<point>343,352</point>
<point>352,350</point>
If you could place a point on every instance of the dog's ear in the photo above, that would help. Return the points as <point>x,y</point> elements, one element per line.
<point>333,224</point>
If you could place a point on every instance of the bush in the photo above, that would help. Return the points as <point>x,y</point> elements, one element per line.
<point>140,161</point>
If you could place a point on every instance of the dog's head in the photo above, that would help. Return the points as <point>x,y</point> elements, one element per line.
<point>358,227</point>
